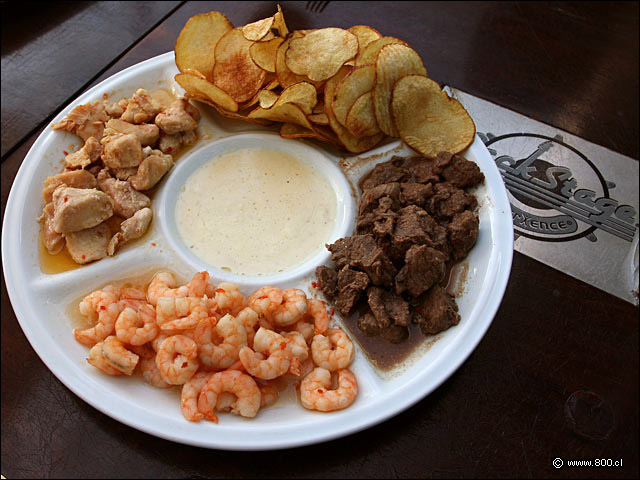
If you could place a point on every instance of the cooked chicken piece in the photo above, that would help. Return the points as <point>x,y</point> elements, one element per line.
<point>181,116</point>
<point>126,200</point>
<point>141,108</point>
<point>53,241</point>
<point>89,153</point>
<point>79,208</point>
<point>124,173</point>
<point>72,178</point>
<point>131,229</point>
<point>151,170</point>
<point>147,133</point>
<point>172,143</point>
<point>89,244</point>
<point>121,151</point>
<point>115,110</point>
<point>85,120</point>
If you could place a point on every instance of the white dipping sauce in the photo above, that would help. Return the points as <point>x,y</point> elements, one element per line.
<point>256,211</point>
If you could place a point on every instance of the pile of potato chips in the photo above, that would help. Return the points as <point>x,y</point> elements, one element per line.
<point>350,88</point>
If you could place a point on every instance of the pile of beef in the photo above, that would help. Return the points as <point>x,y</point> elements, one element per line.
<point>415,220</point>
<point>128,147</point>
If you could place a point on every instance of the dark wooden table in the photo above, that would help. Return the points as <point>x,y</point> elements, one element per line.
<point>504,412</point>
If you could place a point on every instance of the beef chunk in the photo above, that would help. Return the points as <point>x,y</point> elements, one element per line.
<point>415,226</point>
<point>449,200</point>
<point>462,173</point>
<point>386,172</point>
<point>424,268</point>
<point>437,312</point>
<point>370,325</point>
<point>327,281</point>
<point>395,333</point>
<point>362,253</point>
<point>415,193</point>
<point>463,232</point>
<point>351,284</point>
<point>388,307</point>
<point>380,222</point>
<point>426,170</point>
<point>370,198</point>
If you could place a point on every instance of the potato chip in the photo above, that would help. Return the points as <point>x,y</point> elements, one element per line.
<point>285,76</point>
<point>369,55</point>
<point>427,119</point>
<point>263,54</point>
<point>196,84</point>
<point>280,24</point>
<point>351,143</point>
<point>290,130</point>
<point>302,94</point>
<point>267,98</point>
<point>365,35</point>
<point>282,112</point>
<point>319,118</point>
<point>320,54</point>
<point>361,119</point>
<point>196,43</point>
<point>257,30</point>
<point>361,80</point>
<point>234,70</point>
<point>394,61</point>
<point>227,113</point>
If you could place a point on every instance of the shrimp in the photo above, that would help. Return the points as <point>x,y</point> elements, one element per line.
<point>132,297</point>
<point>96,358</point>
<point>240,384</point>
<point>249,320</point>
<point>103,307</point>
<point>177,359</point>
<point>182,313</point>
<point>265,300</point>
<point>220,355</point>
<point>274,346</point>
<point>316,395</point>
<point>163,283</point>
<point>298,348</point>
<point>333,351</point>
<point>229,299</point>
<point>317,311</point>
<point>116,355</point>
<point>292,308</point>
<point>189,396</point>
<point>129,330</point>
<point>269,393</point>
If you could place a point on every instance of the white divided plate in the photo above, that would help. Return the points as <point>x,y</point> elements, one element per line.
<point>41,300</point>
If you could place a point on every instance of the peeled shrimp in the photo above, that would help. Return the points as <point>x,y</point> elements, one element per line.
<point>278,357</point>
<point>265,300</point>
<point>117,355</point>
<point>103,307</point>
<point>137,327</point>
<point>315,393</point>
<point>240,384</point>
<point>317,311</point>
<point>151,374</point>
<point>182,313</point>
<point>228,298</point>
<point>249,320</point>
<point>189,396</point>
<point>224,354</point>
<point>292,309</point>
<point>298,348</point>
<point>269,393</point>
<point>177,359</point>
<point>333,351</point>
<point>163,284</point>
<point>96,358</point>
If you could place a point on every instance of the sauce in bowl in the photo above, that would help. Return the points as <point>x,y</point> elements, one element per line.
<point>255,211</point>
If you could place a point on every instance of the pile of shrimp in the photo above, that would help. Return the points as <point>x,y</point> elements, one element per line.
<point>227,352</point>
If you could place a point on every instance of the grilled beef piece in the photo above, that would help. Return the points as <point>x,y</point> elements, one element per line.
<point>327,281</point>
<point>380,222</point>
<point>424,268</point>
<point>362,253</point>
<point>461,172</point>
<point>370,325</point>
<point>351,284</point>
<point>463,232</point>
<point>448,200</point>
<point>415,193</point>
<point>437,312</point>
<point>386,172</point>
<point>370,198</point>
<point>388,307</point>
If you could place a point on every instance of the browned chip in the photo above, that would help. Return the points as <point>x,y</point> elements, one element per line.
<point>282,112</point>
<point>234,70</point>
<point>198,86</point>
<point>302,94</point>
<point>267,98</point>
<point>361,119</point>
<point>320,54</point>
<point>290,130</point>
<point>196,43</point>
<point>394,61</point>
<point>427,119</point>
<point>365,35</point>
<point>319,118</point>
<point>264,54</point>
<point>361,80</point>
<point>227,113</point>
<point>369,55</point>
<point>350,142</point>
<point>285,76</point>
<point>280,24</point>
<point>257,30</point>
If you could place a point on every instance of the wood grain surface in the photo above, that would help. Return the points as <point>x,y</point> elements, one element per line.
<point>523,396</point>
